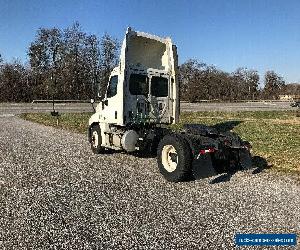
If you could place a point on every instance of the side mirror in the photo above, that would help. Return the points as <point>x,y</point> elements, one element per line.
<point>104,102</point>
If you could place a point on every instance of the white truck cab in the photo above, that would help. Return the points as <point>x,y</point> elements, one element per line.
<point>144,86</point>
<point>143,89</point>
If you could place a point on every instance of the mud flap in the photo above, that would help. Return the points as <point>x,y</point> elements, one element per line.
<point>203,167</point>
<point>245,159</point>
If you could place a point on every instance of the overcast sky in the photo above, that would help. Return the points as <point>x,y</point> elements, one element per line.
<point>261,35</point>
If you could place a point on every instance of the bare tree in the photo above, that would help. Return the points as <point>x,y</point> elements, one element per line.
<point>13,82</point>
<point>70,63</point>
<point>44,56</point>
<point>274,84</point>
<point>246,83</point>
<point>201,81</point>
<point>92,61</point>
<point>109,48</point>
<point>292,89</point>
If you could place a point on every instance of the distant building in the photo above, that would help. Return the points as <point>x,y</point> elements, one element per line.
<point>289,97</point>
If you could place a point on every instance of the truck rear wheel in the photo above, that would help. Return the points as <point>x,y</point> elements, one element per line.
<point>96,140</point>
<point>174,158</point>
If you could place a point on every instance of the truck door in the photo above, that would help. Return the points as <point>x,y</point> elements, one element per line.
<point>112,105</point>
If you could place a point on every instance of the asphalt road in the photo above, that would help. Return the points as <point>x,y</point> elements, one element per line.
<point>7,109</point>
<point>54,193</point>
<point>237,106</point>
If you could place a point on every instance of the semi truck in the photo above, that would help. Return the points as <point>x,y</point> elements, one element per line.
<point>142,103</point>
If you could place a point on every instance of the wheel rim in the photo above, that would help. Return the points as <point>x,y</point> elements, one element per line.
<point>95,139</point>
<point>169,158</point>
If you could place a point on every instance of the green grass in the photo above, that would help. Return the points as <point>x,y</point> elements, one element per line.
<point>274,135</point>
<point>77,122</point>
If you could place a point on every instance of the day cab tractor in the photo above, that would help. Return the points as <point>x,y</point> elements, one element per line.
<point>140,104</point>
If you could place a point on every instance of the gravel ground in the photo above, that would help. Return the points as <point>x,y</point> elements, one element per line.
<point>54,193</point>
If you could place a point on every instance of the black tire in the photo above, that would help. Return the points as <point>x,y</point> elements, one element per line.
<point>96,142</point>
<point>182,158</point>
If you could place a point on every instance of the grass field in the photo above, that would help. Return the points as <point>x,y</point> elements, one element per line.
<point>274,135</point>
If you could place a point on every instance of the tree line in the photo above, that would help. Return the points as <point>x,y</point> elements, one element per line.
<point>63,64</point>
<point>70,64</point>
<point>200,81</point>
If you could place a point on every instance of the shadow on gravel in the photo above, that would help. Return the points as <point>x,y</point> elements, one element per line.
<point>143,154</point>
<point>222,178</point>
<point>204,168</point>
<point>109,151</point>
<point>259,164</point>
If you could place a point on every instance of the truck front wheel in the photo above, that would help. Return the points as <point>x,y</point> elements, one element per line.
<point>174,158</point>
<point>96,140</point>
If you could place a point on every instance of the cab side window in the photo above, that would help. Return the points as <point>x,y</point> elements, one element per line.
<point>112,86</point>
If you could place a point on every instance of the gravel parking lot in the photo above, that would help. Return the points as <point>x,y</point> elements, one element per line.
<point>54,193</point>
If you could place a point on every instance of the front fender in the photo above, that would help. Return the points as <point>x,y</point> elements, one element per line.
<point>93,120</point>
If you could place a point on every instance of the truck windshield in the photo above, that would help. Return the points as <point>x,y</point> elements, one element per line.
<point>159,86</point>
<point>138,84</point>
